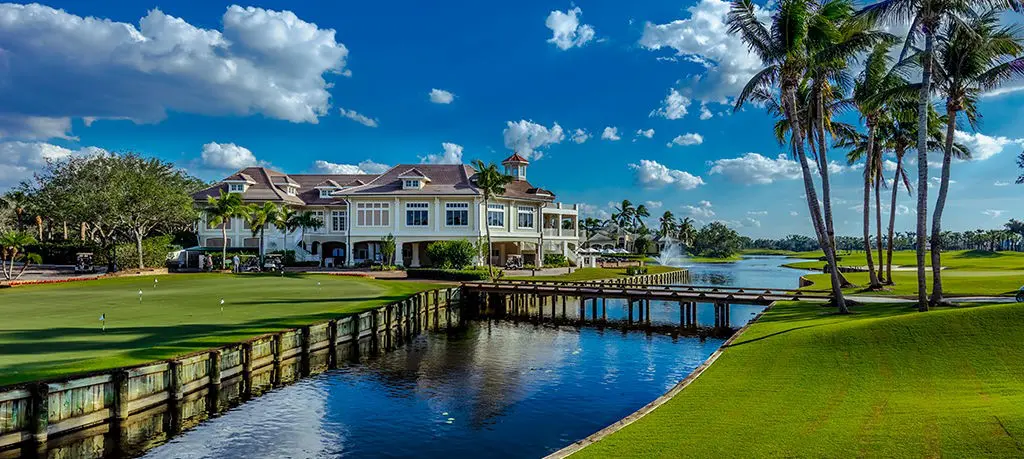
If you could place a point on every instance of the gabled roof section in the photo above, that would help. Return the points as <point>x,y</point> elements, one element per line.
<point>515,158</point>
<point>355,182</point>
<point>441,179</point>
<point>414,174</point>
<point>327,184</point>
<point>240,177</point>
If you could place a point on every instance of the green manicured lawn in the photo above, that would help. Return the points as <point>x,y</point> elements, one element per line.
<point>884,382</point>
<point>586,274</point>
<point>54,330</point>
<point>954,283</point>
<point>957,259</point>
<point>767,252</point>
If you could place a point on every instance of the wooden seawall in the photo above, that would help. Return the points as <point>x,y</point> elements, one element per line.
<point>172,391</point>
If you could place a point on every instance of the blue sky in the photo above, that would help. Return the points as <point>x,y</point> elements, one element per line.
<point>578,87</point>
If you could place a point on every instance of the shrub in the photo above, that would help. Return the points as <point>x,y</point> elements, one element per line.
<point>451,254</point>
<point>154,253</point>
<point>448,274</point>
<point>636,270</point>
<point>555,260</point>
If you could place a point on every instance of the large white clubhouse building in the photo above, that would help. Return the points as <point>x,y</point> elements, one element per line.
<point>417,203</point>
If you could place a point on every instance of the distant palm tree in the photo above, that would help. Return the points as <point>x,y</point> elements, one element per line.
<point>259,217</point>
<point>639,215</point>
<point>864,148</point>
<point>219,211</point>
<point>623,219</point>
<point>303,221</point>
<point>687,231</point>
<point>491,182</point>
<point>590,227</point>
<point>285,223</point>
<point>973,57</point>
<point>16,201</point>
<point>667,227</point>
<point>12,246</point>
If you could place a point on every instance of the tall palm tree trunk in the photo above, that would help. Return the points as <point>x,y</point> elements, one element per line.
<point>826,187</point>
<point>872,275</point>
<point>924,100</point>
<point>878,223</point>
<point>789,106</point>
<point>490,248</point>
<point>224,251</point>
<point>940,203</point>
<point>892,218</point>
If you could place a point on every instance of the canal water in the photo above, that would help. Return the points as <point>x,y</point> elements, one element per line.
<point>492,389</point>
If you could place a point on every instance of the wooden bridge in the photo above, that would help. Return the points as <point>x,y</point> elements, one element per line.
<point>526,297</point>
<point>659,292</point>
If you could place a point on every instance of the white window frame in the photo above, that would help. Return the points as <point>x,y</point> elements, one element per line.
<point>338,216</point>
<point>236,188</point>
<point>523,210</point>
<point>498,209</point>
<point>325,192</point>
<point>452,207</point>
<point>373,214</point>
<point>418,207</point>
<point>320,215</point>
<point>411,184</point>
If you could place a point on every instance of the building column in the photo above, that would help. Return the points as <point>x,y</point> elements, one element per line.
<point>348,252</point>
<point>398,252</point>
<point>415,262</point>
<point>540,253</point>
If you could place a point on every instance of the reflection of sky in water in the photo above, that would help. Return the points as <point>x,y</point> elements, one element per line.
<point>499,390</point>
<point>494,390</point>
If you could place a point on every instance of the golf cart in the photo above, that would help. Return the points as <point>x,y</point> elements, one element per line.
<point>1020,295</point>
<point>83,263</point>
<point>514,262</point>
<point>273,263</point>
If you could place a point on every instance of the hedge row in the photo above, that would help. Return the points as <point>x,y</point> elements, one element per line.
<point>448,274</point>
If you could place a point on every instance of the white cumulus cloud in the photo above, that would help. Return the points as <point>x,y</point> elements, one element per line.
<point>982,146</point>
<point>703,209</point>
<point>58,65</point>
<point>649,133</point>
<point>359,118</point>
<point>227,156</point>
<point>580,136</point>
<point>566,30</point>
<point>528,138</point>
<point>365,167</point>
<point>452,154</point>
<point>651,174</point>
<point>687,140</point>
<point>440,96</point>
<point>19,160</point>
<point>704,38</point>
<point>993,213</point>
<point>755,168</point>
<point>653,204</point>
<point>673,107</point>
<point>705,113</point>
<point>610,133</point>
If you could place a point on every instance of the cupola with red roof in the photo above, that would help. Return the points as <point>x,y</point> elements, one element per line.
<point>515,166</point>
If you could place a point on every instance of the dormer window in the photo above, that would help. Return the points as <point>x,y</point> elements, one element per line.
<point>290,190</point>
<point>413,179</point>
<point>325,193</point>
<point>236,188</point>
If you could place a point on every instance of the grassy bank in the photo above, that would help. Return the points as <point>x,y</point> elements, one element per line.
<point>954,283</point>
<point>884,382</point>
<point>587,274</point>
<point>731,259</point>
<point>53,330</point>
<point>957,259</point>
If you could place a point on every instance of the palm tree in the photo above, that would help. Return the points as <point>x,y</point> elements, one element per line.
<point>639,215</point>
<point>491,182</point>
<point>285,223</point>
<point>836,38</point>
<point>783,51</point>
<point>219,211</point>
<point>667,224</point>
<point>623,218</point>
<point>591,226</point>
<point>864,149</point>
<point>259,217</point>
<point>926,17</point>
<point>16,201</point>
<point>305,220</point>
<point>972,58</point>
<point>687,231</point>
<point>12,246</point>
